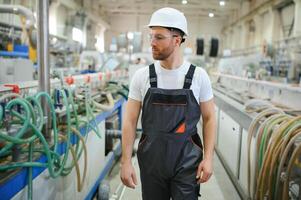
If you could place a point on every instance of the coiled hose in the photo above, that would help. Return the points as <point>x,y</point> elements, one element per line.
<point>105,107</point>
<point>275,135</point>
<point>26,118</point>
<point>252,133</point>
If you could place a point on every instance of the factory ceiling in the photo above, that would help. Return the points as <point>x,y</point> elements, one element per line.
<point>189,7</point>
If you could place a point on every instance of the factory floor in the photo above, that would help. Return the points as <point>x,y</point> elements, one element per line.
<point>219,187</point>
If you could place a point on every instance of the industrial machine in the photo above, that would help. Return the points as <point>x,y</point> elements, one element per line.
<point>77,145</point>
<point>258,136</point>
<point>279,62</point>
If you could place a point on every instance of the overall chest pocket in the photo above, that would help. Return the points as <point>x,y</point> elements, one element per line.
<point>168,111</point>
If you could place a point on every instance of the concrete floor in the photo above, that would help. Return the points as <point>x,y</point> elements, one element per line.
<point>219,187</point>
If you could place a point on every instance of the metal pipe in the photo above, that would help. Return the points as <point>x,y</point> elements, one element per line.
<point>20,10</point>
<point>43,57</point>
<point>118,133</point>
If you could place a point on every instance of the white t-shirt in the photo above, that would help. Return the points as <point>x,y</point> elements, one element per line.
<point>171,79</point>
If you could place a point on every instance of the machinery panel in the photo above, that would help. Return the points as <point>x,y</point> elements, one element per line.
<point>16,70</point>
<point>243,161</point>
<point>229,140</point>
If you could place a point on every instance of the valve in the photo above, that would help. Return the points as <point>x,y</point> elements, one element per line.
<point>15,88</point>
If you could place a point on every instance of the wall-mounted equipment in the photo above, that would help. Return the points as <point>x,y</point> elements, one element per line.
<point>214,47</point>
<point>15,70</point>
<point>200,46</point>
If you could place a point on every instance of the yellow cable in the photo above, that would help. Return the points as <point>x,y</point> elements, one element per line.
<point>80,182</point>
<point>80,186</point>
<point>261,172</point>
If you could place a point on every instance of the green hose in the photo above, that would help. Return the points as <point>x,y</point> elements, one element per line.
<point>53,116</point>
<point>70,98</point>
<point>31,118</point>
<point>40,123</point>
<point>29,193</point>
<point>65,100</point>
<point>25,125</point>
<point>270,123</point>
<point>78,150</point>
<point>90,116</point>
<point>51,157</point>
<point>1,113</point>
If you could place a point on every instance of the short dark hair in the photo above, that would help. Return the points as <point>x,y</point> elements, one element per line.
<point>180,32</point>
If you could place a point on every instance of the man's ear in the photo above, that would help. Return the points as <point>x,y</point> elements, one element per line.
<point>179,40</point>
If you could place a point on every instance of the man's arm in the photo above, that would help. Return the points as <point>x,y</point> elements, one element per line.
<point>209,126</point>
<point>127,174</point>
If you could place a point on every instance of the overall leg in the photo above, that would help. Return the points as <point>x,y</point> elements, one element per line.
<point>154,187</point>
<point>184,184</point>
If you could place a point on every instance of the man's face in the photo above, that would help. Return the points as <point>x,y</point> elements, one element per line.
<point>163,42</point>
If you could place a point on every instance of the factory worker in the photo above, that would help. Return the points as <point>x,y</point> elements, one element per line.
<point>173,94</point>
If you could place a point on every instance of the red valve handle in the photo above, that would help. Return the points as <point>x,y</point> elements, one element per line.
<point>15,88</point>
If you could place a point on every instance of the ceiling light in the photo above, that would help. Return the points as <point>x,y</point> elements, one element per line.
<point>130,35</point>
<point>222,3</point>
<point>184,2</point>
<point>211,14</point>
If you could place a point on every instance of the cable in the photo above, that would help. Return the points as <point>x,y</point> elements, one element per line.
<point>81,183</point>
<point>296,153</point>
<point>265,181</point>
<point>76,156</point>
<point>251,133</point>
<point>284,159</point>
<point>275,134</point>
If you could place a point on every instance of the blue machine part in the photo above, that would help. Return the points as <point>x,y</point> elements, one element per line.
<point>21,48</point>
<point>13,54</point>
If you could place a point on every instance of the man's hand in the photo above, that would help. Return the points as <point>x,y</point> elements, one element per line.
<point>128,175</point>
<point>204,171</point>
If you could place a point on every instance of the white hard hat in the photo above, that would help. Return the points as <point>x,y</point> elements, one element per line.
<point>169,17</point>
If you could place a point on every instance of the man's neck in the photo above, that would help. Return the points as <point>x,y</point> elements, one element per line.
<point>172,62</point>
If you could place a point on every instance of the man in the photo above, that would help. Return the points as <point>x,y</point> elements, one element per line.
<point>172,94</point>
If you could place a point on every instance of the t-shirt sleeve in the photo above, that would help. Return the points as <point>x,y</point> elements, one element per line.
<point>206,90</point>
<point>135,87</point>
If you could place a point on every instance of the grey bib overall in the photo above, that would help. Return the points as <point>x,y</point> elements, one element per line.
<point>170,149</point>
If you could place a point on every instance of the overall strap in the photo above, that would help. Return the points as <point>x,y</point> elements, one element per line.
<point>152,76</point>
<point>188,77</point>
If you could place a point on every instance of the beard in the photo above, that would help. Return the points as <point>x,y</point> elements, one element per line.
<point>162,54</point>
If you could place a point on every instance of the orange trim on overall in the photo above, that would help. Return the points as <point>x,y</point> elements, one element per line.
<point>181,128</point>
